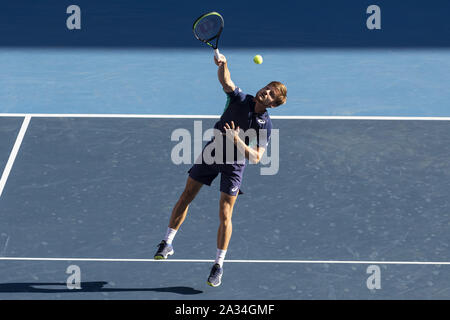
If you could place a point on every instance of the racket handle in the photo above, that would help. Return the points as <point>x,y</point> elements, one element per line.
<point>216,53</point>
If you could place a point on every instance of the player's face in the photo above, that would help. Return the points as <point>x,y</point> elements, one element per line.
<point>266,96</point>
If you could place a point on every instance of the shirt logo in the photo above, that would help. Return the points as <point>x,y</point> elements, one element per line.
<point>234,189</point>
<point>261,121</point>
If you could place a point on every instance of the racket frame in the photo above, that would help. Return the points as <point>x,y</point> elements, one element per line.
<point>217,36</point>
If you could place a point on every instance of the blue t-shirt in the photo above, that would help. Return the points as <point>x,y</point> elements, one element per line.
<point>240,108</point>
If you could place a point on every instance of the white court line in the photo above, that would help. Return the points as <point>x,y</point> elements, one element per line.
<point>227,261</point>
<point>15,150</point>
<point>184,116</point>
<point>93,115</point>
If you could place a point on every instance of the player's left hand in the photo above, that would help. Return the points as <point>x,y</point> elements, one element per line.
<point>232,132</point>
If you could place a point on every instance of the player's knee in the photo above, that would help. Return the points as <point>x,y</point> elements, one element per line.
<point>187,196</point>
<point>227,223</point>
<point>225,217</point>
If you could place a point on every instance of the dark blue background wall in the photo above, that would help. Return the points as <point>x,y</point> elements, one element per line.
<point>263,23</point>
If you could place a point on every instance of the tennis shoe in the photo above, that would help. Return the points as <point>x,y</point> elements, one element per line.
<point>215,277</point>
<point>164,250</point>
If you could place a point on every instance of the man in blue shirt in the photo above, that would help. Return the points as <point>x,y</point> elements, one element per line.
<point>243,113</point>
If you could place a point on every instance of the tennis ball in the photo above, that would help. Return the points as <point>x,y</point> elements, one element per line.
<point>257,59</point>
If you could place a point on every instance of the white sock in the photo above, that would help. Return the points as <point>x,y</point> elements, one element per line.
<point>220,256</point>
<point>170,234</point>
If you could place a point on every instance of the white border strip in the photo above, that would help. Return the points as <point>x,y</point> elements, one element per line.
<point>15,150</point>
<point>184,116</point>
<point>227,261</point>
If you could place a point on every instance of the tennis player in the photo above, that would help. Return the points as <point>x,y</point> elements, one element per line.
<point>242,112</point>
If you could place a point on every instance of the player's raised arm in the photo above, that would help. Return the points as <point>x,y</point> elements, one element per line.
<point>224,74</point>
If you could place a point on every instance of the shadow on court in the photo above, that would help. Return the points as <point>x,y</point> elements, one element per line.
<point>96,286</point>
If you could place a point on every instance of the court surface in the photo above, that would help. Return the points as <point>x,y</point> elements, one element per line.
<point>357,204</point>
<point>349,193</point>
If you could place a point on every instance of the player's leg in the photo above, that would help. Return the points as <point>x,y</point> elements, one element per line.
<point>181,207</point>
<point>177,217</point>
<point>223,237</point>
<point>230,187</point>
<point>225,213</point>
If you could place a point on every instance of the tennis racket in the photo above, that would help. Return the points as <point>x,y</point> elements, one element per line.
<point>207,28</point>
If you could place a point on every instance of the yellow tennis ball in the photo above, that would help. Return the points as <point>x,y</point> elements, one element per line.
<point>257,59</point>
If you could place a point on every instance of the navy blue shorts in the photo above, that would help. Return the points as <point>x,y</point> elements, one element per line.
<point>230,179</point>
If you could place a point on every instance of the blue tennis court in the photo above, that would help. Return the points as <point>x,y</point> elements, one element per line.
<point>357,176</point>
<point>348,190</point>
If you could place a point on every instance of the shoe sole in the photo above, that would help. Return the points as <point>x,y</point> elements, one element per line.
<point>214,285</point>
<point>162,257</point>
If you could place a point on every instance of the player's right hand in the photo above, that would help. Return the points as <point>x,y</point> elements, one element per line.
<point>222,60</point>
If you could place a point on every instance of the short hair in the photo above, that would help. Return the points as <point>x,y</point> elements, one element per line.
<point>282,92</point>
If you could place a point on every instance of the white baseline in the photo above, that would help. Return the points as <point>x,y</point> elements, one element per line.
<point>185,116</point>
<point>229,261</point>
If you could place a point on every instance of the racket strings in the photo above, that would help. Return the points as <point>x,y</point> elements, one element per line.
<point>207,28</point>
